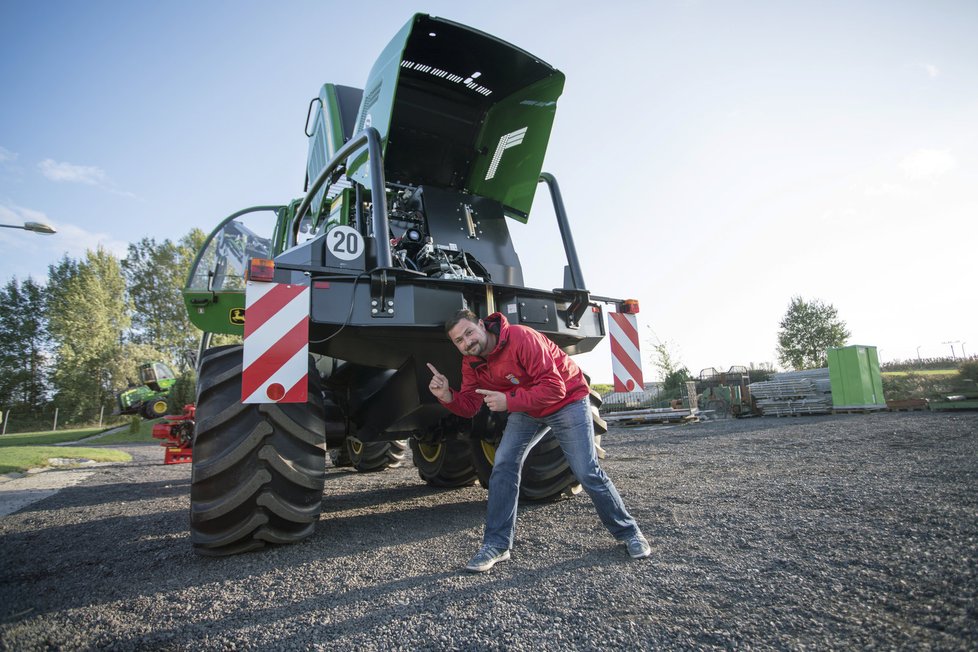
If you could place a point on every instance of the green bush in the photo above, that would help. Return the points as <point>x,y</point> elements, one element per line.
<point>135,423</point>
<point>969,370</point>
<point>602,388</point>
<point>911,385</point>
<point>915,365</point>
<point>183,392</point>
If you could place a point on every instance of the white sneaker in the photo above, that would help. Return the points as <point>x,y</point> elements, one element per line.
<point>638,547</point>
<point>486,558</point>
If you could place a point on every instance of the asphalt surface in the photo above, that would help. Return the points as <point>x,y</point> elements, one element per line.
<point>837,532</point>
<point>18,490</point>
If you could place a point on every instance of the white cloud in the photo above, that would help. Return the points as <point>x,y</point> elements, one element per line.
<point>77,240</point>
<point>6,156</point>
<point>932,71</point>
<point>87,174</point>
<point>8,215</point>
<point>926,164</point>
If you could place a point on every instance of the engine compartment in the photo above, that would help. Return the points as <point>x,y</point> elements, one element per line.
<point>453,236</point>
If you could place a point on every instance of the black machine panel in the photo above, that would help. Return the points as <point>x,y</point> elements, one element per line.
<point>458,222</point>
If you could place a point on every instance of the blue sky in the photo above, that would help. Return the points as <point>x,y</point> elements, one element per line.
<point>715,158</point>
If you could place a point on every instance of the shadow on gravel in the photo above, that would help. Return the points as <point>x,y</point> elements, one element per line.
<point>92,495</point>
<point>131,557</point>
<point>440,590</point>
<point>380,496</point>
<point>397,527</point>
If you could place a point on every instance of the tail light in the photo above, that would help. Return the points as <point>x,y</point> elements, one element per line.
<point>261,269</point>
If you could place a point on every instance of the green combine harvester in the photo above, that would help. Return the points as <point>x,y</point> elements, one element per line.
<point>412,186</point>
<point>148,399</point>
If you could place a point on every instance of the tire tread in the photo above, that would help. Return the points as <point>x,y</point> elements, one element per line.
<point>259,470</point>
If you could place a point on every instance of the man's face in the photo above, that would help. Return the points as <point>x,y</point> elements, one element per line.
<point>470,338</point>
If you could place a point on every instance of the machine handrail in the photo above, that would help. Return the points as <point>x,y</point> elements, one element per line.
<point>378,193</point>
<point>217,229</point>
<point>577,276</point>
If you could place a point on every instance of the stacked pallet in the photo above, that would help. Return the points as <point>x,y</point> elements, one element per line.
<point>794,392</point>
<point>653,415</point>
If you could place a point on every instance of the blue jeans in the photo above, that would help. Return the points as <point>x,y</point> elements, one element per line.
<point>574,430</point>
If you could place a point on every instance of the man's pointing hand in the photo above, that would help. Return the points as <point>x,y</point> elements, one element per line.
<point>495,400</point>
<point>439,385</point>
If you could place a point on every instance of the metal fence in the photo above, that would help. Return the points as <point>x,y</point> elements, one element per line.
<point>624,401</point>
<point>16,419</point>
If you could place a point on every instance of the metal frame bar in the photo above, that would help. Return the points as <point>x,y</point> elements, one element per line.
<point>577,276</point>
<point>217,229</point>
<point>378,192</point>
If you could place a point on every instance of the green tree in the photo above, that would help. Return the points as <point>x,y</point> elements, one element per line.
<point>672,384</point>
<point>155,273</point>
<point>808,330</point>
<point>673,373</point>
<point>969,370</point>
<point>23,344</point>
<point>183,392</point>
<point>88,313</point>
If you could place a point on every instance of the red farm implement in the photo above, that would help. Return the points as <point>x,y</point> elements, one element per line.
<point>177,433</point>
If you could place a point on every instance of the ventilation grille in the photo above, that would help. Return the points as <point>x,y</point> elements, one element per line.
<point>368,103</point>
<point>469,82</point>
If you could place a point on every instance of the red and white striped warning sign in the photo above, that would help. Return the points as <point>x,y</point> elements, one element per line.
<point>626,357</point>
<point>276,343</point>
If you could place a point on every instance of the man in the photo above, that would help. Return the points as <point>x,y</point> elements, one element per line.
<point>517,370</point>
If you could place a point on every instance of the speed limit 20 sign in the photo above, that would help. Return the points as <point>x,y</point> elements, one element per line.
<point>344,243</point>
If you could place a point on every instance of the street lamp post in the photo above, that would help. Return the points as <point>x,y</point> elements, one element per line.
<point>36,227</point>
<point>952,343</point>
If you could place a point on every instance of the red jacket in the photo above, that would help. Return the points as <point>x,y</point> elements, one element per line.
<point>536,376</point>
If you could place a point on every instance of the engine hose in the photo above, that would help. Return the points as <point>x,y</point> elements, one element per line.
<point>349,315</point>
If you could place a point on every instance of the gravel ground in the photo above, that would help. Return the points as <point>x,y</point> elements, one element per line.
<point>855,531</point>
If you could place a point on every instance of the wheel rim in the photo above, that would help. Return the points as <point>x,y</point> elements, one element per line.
<point>159,408</point>
<point>489,450</point>
<point>430,452</point>
<point>356,446</point>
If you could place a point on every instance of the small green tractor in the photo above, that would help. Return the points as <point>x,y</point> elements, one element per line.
<point>149,398</point>
<point>412,186</point>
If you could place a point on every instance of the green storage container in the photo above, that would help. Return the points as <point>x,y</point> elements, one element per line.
<point>854,372</point>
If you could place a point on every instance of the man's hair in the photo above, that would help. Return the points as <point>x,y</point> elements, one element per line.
<point>461,315</point>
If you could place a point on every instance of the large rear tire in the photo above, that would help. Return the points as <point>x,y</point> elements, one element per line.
<point>546,474</point>
<point>258,469</point>
<point>446,463</point>
<point>367,457</point>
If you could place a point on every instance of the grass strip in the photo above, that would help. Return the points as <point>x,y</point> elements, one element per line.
<point>144,435</point>
<point>17,459</point>
<point>922,372</point>
<point>47,438</point>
